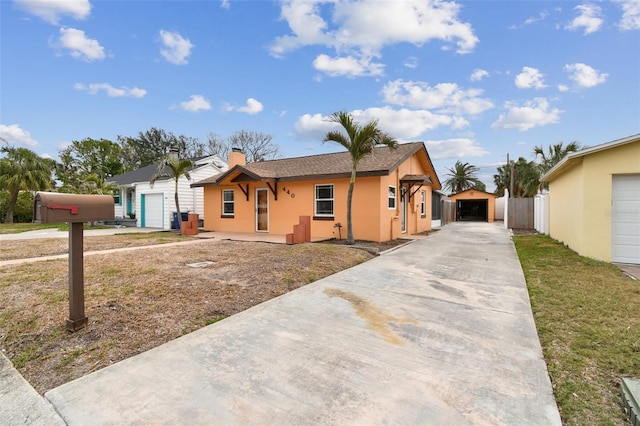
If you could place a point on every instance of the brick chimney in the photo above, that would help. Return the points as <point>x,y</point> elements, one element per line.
<point>236,157</point>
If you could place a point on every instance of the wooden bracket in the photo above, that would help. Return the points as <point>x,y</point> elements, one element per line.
<point>245,191</point>
<point>274,191</point>
<point>414,192</point>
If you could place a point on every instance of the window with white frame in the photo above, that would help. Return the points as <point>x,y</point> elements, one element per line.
<point>423,208</point>
<point>228,202</point>
<point>392,197</point>
<point>324,200</point>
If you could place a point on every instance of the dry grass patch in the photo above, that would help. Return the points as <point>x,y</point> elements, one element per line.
<point>24,249</point>
<point>138,300</point>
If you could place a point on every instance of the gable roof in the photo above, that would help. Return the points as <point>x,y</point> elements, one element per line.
<point>381,162</point>
<point>573,158</point>
<point>144,174</point>
<point>472,189</point>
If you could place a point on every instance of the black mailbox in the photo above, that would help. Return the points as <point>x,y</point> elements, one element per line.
<point>54,207</point>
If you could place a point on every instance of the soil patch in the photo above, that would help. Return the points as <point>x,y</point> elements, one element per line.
<point>137,301</point>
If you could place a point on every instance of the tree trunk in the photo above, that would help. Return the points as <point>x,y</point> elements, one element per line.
<point>13,200</point>
<point>350,239</point>
<point>178,208</point>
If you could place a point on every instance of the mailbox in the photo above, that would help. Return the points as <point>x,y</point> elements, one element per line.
<point>54,207</point>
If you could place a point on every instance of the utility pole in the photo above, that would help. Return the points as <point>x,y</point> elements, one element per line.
<point>511,176</point>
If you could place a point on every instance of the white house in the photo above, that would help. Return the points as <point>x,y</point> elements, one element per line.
<point>153,206</point>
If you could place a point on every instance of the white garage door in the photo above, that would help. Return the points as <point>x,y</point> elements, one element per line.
<point>625,219</point>
<point>153,207</point>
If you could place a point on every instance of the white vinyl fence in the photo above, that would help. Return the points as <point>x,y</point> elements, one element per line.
<point>541,213</point>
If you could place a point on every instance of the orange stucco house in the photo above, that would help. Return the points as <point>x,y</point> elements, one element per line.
<point>475,205</point>
<point>391,198</point>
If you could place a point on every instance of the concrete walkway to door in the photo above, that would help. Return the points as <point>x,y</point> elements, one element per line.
<point>437,332</point>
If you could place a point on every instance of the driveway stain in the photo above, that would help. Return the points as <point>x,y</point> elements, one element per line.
<point>377,319</point>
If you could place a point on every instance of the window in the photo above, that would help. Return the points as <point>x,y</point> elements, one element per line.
<point>227,202</point>
<point>392,197</point>
<point>117,200</point>
<point>423,209</point>
<point>324,200</point>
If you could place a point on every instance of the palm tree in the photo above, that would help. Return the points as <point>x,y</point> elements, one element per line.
<point>172,167</point>
<point>462,176</point>
<point>22,170</point>
<point>555,153</point>
<point>526,178</point>
<point>359,141</point>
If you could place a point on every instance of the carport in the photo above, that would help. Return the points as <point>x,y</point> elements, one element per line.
<point>475,205</point>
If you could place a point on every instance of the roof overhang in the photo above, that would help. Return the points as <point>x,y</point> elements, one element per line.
<point>574,158</point>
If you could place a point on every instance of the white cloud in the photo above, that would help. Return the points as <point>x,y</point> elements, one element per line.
<point>79,46</point>
<point>197,103</point>
<point>589,18</point>
<point>444,97</point>
<point>584,75</point>
<point>630,14</point>
<point>53,10</point>
<point>563,88</point>
<point>348,66</point>
<point>354,30</point>
<point>534,113</point>
<point>112,92</point>
<point>402,124</point>
<point>531,20</point>
<point>252,107</point>
<point>411,62</point>
<point>176,48</point>
<point>454,148</point>
<point>530,78</point>
<point>478,74</point>
<point>225,4</point>
<point>14,134</point>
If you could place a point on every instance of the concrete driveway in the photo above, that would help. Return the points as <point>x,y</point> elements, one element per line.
<point>437,332</point>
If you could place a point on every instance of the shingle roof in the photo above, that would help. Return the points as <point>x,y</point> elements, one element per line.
<point>382,161</point>
<point>144,174</point>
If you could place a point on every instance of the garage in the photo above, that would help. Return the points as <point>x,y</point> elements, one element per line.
<point>152,206</point>
<point>625,219</point>
<point>472,210</point>
<point>474,205</point>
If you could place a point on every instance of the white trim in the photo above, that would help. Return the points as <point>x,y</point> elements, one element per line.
<point>572,155</point>
<point>394,198</point>
<point>257,198</point>
<point>315,200</point>
<point>232,202</point>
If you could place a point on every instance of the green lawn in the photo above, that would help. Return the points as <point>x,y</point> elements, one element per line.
<point>588,319</point>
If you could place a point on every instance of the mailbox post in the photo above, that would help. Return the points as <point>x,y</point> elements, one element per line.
<point>53,207</point>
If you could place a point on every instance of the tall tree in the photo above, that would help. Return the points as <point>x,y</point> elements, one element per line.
<point>526,178</point>
<point>359,141</point>
<point>154,144</point>
<point>553,155</point>
<point>462,176</point>
<point>22,170</point>
<point>173,167</point>
<point>257,146</point>
<point>99,159</point>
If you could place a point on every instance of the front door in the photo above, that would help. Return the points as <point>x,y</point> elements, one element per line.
<point>262,210</point>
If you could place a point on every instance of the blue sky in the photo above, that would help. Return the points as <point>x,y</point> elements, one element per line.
<point>474,80</point>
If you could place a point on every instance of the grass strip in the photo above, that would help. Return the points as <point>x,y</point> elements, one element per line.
<point>588,318</point>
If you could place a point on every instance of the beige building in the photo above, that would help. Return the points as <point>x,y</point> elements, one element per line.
<point>594,201</point>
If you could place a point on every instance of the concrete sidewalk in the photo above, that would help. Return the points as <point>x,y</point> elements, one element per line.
<point>437,332</point>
